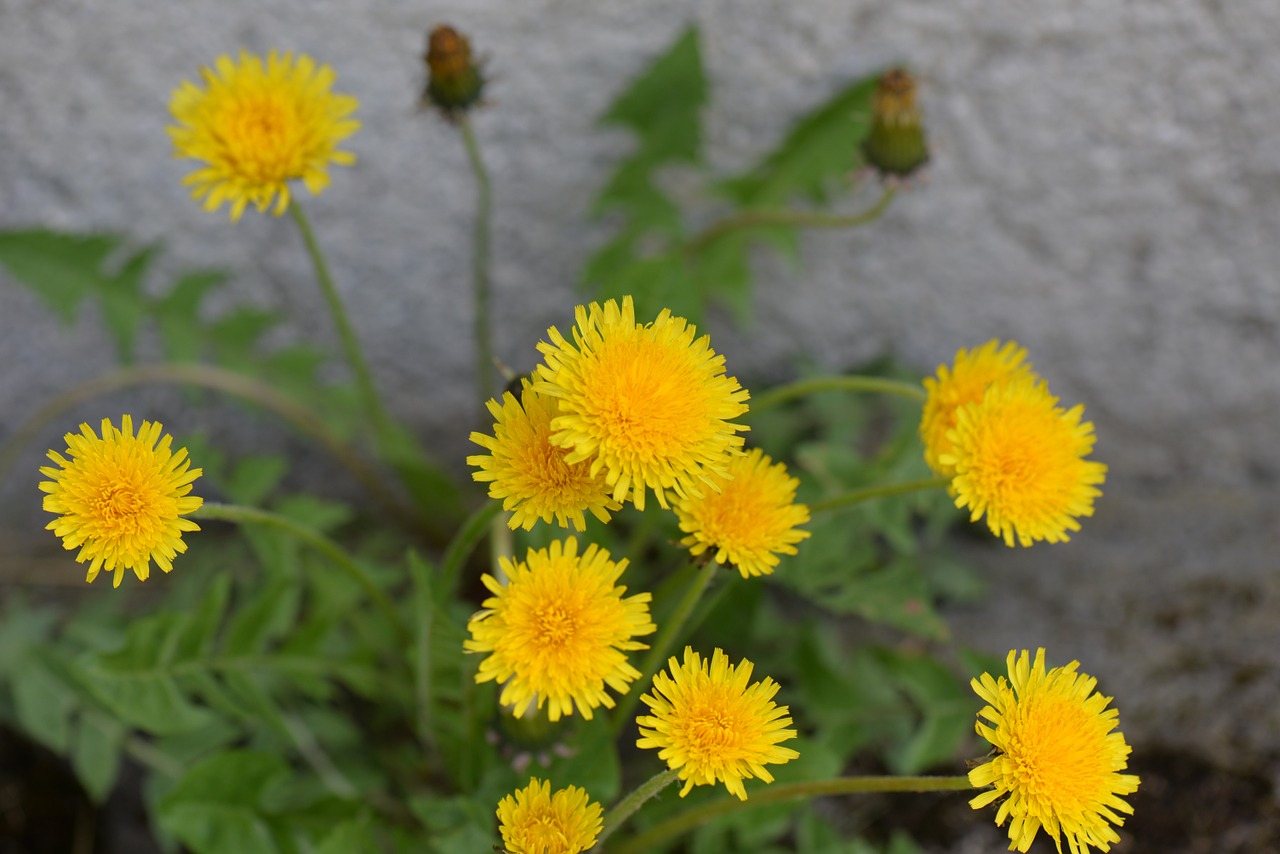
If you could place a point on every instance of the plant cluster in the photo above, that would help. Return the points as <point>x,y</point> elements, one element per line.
<point>673,561</point>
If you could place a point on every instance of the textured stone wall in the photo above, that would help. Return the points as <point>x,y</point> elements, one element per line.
<point>1105,189</point>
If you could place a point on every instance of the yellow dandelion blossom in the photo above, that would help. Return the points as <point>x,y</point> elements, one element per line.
<point>120,498</point>
<point>751,520</point>
<point>963,383</point>
<point>1058,760</point>
<point>529,474</point>
<point>256,126</point>
<point>647,404</point>
<point>534,821</point>
<point>1020,459</point>
<point>710,724</point>
<point>559,630</point>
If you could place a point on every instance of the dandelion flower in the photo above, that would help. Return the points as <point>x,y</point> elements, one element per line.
<point>534,821</point>
<point>963,383</point>
<point>1057,759</point>
<point>558,631</point>
<point>711,725</point>
<point>120,498</point>
<point>256,126</point>
<point>1020,459</point>
<point>647,404</point>
<point>529,474</point>
<point>751,520</point>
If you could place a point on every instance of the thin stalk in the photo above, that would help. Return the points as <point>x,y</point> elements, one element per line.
<point>666,638</point>
<point>463,544</point>
<point>319,542</point>
<point>301,417</point>
<point>857,496</point>
<point>778,793</point>
<point>804,219</point>
<point>350,344</point>
<point>851,382</point>
<point>311,751</point>
<point>480,260</point>
<point>626,807</point>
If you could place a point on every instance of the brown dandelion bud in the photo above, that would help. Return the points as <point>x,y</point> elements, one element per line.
<point>896,146</point>
<point>454,83</point>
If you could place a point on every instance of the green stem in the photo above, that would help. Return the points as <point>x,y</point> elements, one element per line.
<point>804,219</point>
<point>686,821</point>
<point>319,542</point>
<point>801,388</point>
<point>314,755</point>
<point>463,544</point>
<point>857,496</point>
<point>666,639</point>
<point>301,417</point>
<point>350,344</point>
<point>626,807</point>
<point>480,260</point>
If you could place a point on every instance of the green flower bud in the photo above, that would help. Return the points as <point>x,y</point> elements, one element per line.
<point>454,83</point>
<point>896,146</point>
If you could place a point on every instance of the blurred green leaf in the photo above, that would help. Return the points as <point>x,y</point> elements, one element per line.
<point>216,807</point>
<point>820,151</point>
<point>95,754</point>
<point>123,305</point>
<point>178,313</point>
<point>62,269</point>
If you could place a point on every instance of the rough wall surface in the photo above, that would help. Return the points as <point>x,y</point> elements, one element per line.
<point>1105,189</point>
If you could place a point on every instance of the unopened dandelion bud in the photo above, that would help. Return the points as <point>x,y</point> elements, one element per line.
<point>454,82</point>
<point>896,146</point>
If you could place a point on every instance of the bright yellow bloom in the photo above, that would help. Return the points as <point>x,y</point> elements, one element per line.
<point>534,821</point>
<point>963,383</point>
<point>530,474</point>
<point>558,631</point>
<point>751,520</point>
<point>258,126</point>
<point>120,498</point>
<point>711,725</point>
<point>1020,459</point>
<point>647,404</point>
<point>1059,761</point>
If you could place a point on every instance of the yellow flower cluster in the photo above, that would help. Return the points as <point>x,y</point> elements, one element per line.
<point>1012,453</point>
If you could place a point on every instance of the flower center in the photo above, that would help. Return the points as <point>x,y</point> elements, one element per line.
<point>556,626</point>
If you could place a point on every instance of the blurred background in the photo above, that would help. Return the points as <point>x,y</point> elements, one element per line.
<point>1104,188</point>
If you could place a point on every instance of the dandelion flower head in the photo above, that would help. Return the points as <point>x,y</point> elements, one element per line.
<point>529,474</point>
<point>534,821</point>
<point>964,382</point>
<point>751,520</point>
<point>1020,459</point>
<point>648,405</point>
<point>559,630</point>
<point>120,498</point>
<point>258,125</point>
<point>710,722</point>
<point>1058,762</point>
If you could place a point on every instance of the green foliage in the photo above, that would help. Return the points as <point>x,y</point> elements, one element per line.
<point>653,255</point>
<point>300,687</point>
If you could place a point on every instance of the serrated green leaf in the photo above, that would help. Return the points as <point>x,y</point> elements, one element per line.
<point>62,269</point>
<point>254,478</point>
<point>178,313</point>
<point>236,336</point>
<point>123,305</point>
<point>324,516</point>
<point>821,149</point>
<point>215,808</point>
<point>268,615</point>
<point>42,703</point>
<point>95,754</point>
<point>674,84</point>
<point>203,621</point>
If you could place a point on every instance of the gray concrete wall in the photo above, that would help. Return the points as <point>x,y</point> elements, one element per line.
<point>1105,189</point>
